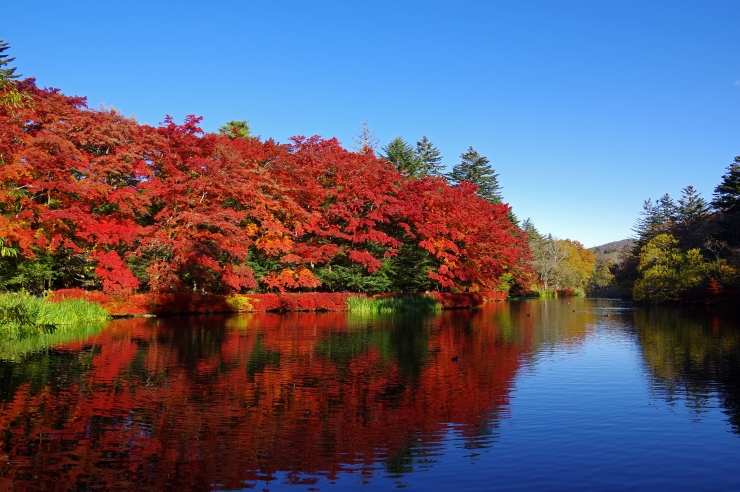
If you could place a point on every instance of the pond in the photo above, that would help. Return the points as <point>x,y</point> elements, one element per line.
<point>577,394</point>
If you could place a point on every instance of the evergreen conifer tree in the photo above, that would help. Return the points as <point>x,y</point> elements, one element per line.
<point>691,214</point>
<point>429,158</point>
<point>691,206</point>
<point>533,235</point>
<point>646,223</point>
<point>727,193</point>
<point>476,169</point>
<point>400,153</point>
<point>665,209</point>
<point>236,129</point>
<point>11,96</point>
<point>6,74</point>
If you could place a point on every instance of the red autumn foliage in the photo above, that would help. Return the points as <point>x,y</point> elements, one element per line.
<point>179,303</point>
<point>139,304</point>
<point>714,287</point>
<point>450,300</point>
<point>172,209</point>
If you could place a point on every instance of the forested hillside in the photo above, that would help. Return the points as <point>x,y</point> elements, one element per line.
<point>614,246</point>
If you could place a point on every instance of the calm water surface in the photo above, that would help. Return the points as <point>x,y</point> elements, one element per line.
<point>552,395</point>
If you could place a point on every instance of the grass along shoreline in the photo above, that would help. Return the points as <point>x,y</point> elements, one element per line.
<point>31,324</point>
<point>23,315</point>
<point>417,304</point>
<point>157,304</point>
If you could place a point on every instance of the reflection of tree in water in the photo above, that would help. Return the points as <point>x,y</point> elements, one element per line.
<point>261,358</point>
<point>37,369</point>
<point>173,403</point>
<point>693,353</point>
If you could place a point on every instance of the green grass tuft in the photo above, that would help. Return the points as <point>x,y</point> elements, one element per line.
<point>426,304</point>
<point>23,315</point>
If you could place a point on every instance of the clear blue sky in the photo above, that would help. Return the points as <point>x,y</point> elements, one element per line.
<point>584,108</point>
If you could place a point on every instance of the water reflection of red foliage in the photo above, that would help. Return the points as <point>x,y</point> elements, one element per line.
<point>194,401</point>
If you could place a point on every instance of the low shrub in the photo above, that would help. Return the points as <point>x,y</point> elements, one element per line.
<point>183,303</point>
<point>451,300</point>
<point>571,293</point>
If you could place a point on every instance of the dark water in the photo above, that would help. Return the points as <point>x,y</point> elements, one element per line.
<point>565,398</point>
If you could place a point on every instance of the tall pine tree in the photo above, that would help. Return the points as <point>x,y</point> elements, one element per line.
<point>646,223</point>
<point>691,216</point>
<point>476,169</point>
<point>11,96</point>
<point>691,206</point>
<point>400,153</point>
<point>429,158</point>
<point>6,73</point>
<point>666,209</point>
<point>727,193</point>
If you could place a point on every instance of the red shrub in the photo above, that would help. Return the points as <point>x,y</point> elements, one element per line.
<point>153,303</point>
<point>566,292</point>
<point>458,300</point>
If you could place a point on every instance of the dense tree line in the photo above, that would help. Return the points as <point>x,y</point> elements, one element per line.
<point>561,264</point>
<point>92,199</point>
<point>688,247</point>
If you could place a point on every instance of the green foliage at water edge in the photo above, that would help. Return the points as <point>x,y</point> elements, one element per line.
<point>23,315</point>
<point>393,304</point>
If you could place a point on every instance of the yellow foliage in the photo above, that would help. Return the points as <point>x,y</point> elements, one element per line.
<point>577,267</point>
<point>240,302</point>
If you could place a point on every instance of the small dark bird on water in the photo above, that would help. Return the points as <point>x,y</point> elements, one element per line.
<point>606,315</point>
<point>528,315</point>
<point>574,310</point>
<point>455,359</point>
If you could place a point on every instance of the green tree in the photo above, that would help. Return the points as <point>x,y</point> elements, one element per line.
<point>666,270</point>
<point>654,219</point>
<point>236,129</point>
<point>429,158</point>
<point>6,73</point>
<point>400,153</point>
<point>10,95</point>
<point>602,277</point>
<point>692,214</point>
<point>691,206</point>
<point>727,193</point>
<point>533,235</point>
<point>476,169</point>
<point>666,209</point>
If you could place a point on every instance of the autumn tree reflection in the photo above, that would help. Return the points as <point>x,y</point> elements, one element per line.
<point>186,402</point>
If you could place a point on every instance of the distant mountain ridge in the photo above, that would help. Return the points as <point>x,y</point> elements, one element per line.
<point>614,246</point>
